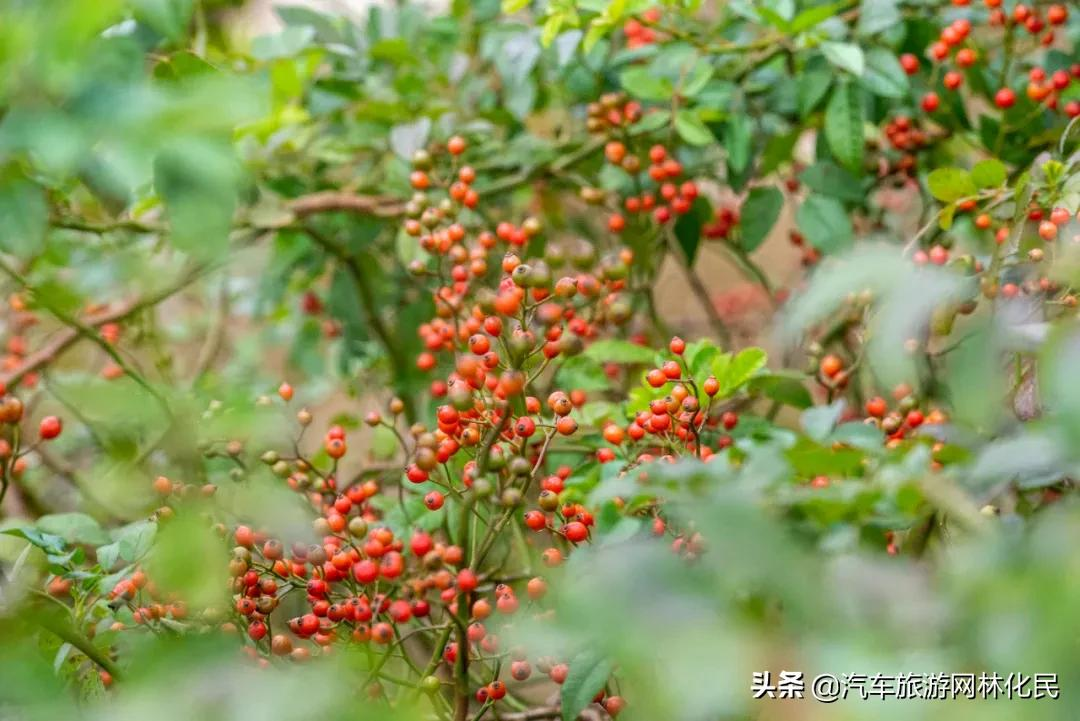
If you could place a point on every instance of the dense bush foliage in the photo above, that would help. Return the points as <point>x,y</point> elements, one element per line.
<point>336,382</point>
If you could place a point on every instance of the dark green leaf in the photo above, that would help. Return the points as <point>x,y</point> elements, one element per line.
<point>587,674</point>
<point>758,216</point>
<point>844,126</point>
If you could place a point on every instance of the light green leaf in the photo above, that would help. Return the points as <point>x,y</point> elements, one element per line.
<point>846,56</point>
<point>641,83</point>
<point>878,15</point>
<point>759,213</point>
<point>825,223</point>
<point>949,184</point>
<point>24,214</point>
<point>691,128</point>
<point>512,6</point>
<point>989,173</point>
<point>73,528</point>
<point>613,350</point>
<point>883,75</point>
<point>733,372</point>
<point>813,16</point>
<point>844,126</point>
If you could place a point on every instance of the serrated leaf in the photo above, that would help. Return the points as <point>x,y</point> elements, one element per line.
<point>691,128</point>
<point>825,223</point>
<point>989,173</point>
<point>759,214</point>
<point>587,674</point>
<point>844,126</point>
<point>613,350</point>
<point>949,184</point>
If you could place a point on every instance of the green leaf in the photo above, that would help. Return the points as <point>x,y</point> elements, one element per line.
<point>588,673</point>
<point>552,26</point>
<point>73,528</point>
<point>782,388</point>
<point>384,443</point>
<point>883,75</point>
<point>641,83</point>
<point>24,214</point>
<point>844,126</point>
<point>613,350</point>
<point>813,16</point>
<point>758,216</point>
<point>813,86</point>
<point>697,79</point>
<point>737,140</point>
<point>824,222</point>
<point>47,542</point>
<point>830,179</point>
<point>168,17</point>
<point>989,173</point>
<point>512,6</point>
<point>691,129</point>
<point>878,15</point>
<point>846,56</point>
<point>818,422</point>
<point>733,372</point>
<point>949,184</point>
<point>688,227</point>
<point>284,44</point>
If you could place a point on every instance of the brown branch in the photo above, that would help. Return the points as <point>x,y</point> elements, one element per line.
<point>67,337</point>
<point>333,200</point>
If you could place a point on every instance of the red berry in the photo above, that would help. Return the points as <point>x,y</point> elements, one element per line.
<point>1005,98</point>
<point>50,427</point>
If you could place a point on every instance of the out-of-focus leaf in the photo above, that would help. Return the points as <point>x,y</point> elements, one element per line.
<point>846,56</point>
<point>642,83</point>
<point>758,216</point>
<point>22,207</point>
<point>587,674</point>
<point>73,528</point>
<point>989,173</point>
<point>844,126</point>
<point>819,422</point>
<point>407,138</point>
<point>691,129</point>
<point>949,184</point>
<point>883,75</point>
<point>611,350</point>
<point>825,223</point>
<point>830,179</point>
<point>878,15</point>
